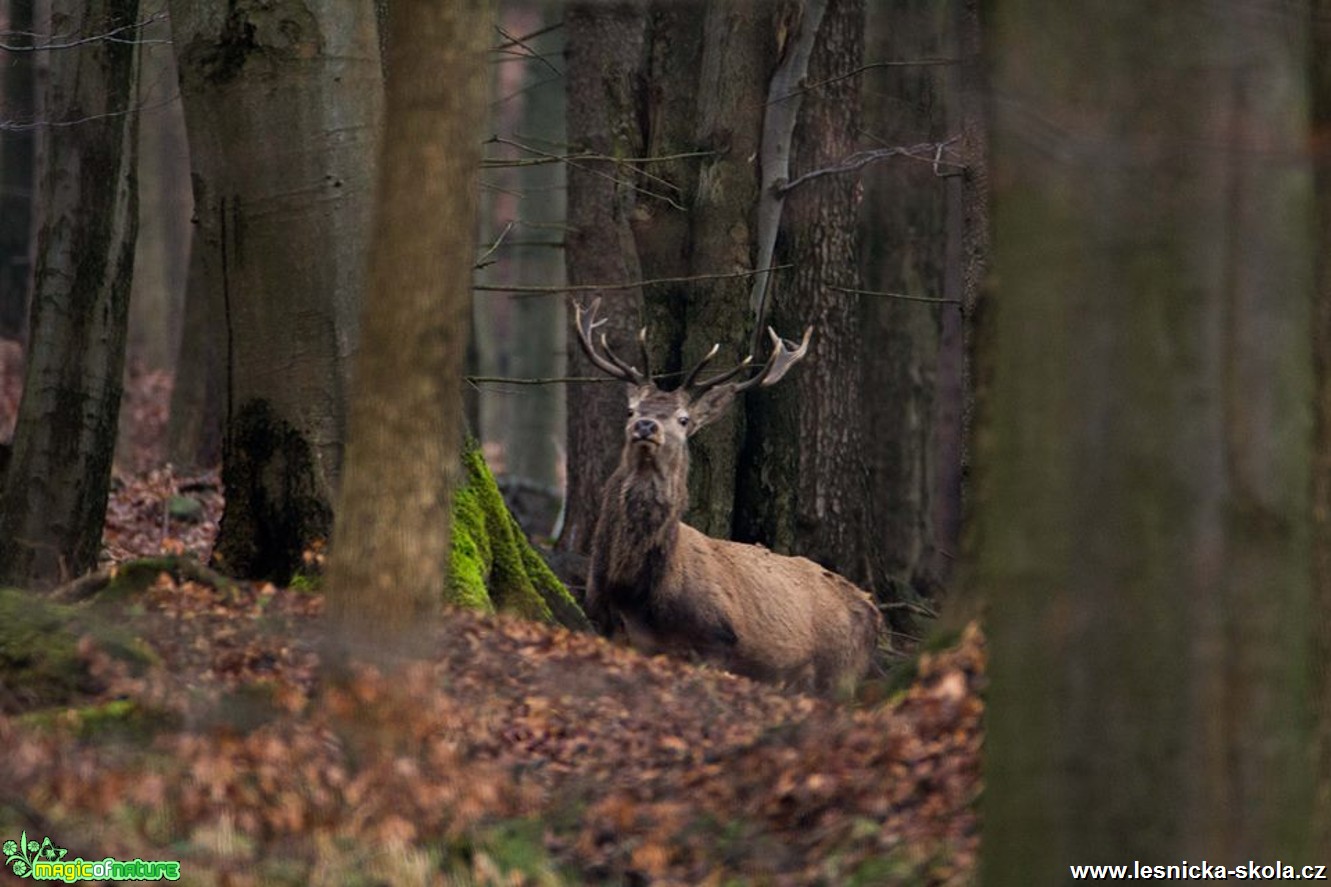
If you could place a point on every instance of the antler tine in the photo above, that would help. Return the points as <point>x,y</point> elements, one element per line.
<point>586,322</point>
<point>697,368</point>
<point>784,356</point>
<point>726,376</point>
<point>646,358</point>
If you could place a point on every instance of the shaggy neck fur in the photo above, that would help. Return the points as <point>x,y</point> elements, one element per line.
<point>639,523</point>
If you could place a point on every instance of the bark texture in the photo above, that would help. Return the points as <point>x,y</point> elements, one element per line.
<point>1320,84</point>
<point>390,555</point>
<point>17,180</point>
<point>804,481</point>
<point>53,500</point>
<point>282,105</point>
<point>604,52</point>
<point>905,238</point>
<point>1144,449</point>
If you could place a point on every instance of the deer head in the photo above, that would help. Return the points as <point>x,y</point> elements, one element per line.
<point>660,422</point>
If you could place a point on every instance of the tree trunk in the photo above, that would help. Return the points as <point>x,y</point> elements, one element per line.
<point>18,88</point>
<point>1320,82</point>
<point>1143,460</point>
<point>162,257</point>
<point>738,53</point>
<point>605,49</point>
<point>804,485</point>
<point>390,556</point>
<point>282,104</point>
<point>54,497</point>
<point>538,323</point>
<point>905,238</point>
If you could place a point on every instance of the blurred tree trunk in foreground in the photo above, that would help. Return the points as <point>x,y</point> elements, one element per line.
<point>1144,451</point>
<point>390,555</point>
<point>282,106</point>
<point>53,500</point>
<point>1320,81</point>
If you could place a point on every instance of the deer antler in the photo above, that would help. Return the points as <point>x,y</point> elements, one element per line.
<point>609,362</point>
<point>785,354</point>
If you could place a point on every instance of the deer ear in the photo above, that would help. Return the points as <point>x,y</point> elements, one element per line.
<point>709,405</point>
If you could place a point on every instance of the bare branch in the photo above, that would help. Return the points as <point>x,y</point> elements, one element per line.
<point>528,52</point>
<point>912,63</point>
<point>633,284</point>
<point>905,296</point>
<point>52,42</point>
<point>481,262</point>
<point>778,133</point>
<point>931,153</point>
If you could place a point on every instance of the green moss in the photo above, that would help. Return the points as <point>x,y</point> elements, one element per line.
<point>493,566</point>
<point>39,661</point>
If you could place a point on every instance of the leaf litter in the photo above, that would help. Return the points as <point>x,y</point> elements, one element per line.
<point>515,754</point>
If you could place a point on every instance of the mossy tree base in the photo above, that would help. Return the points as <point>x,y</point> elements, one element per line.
<point>40,663</point>
<point>493,566</point>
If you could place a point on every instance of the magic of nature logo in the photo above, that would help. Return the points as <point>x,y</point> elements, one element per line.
<point>45,861</point>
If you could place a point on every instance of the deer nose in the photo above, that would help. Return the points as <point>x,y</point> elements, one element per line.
<point>642,429</point>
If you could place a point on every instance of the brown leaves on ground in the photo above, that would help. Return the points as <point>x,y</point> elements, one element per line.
<point>641,770</point>
<point>518,754</point>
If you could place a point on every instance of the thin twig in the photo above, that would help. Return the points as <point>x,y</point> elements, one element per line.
<point>937,300</point>
<point>615,179</point>
<point>539,32</point>
<point>111,36</point>
<point>480,262</point>
<point>633,284</point>
<point>916,63</point>
<point>531,53</point>
<point>930,152</point>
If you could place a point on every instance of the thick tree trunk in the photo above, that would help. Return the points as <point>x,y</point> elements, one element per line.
<point>1143,461</point>
<point>162,257</point>
<point>54,496</point>
<point>1320,81</point>
<point>738,53</point>
<point>905,237</point>
<point>282,104</point>
<point>605,50</point>
<point>535,441</point>
<point>390,556</point>
<point>804,483</point>
<point>17,181</point>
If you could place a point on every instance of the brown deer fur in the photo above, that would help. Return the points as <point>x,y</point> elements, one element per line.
<point>666,587</point>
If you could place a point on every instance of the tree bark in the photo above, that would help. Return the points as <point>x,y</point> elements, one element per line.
<point>605,51</point>
<point>282,104</point>
<point>804,482</point>
<point>17,179</point>
<point>1320,87</point>
<point>1144,447</point>
<point>53,501</point>
<point>904,232</point>
<point>390,556</point>
<point>162,255</point>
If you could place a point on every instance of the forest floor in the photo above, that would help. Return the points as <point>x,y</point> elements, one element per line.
<point>515,754</point>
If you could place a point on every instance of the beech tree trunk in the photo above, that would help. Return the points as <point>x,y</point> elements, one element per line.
<point>282,105</point>
<point>53,501</point>
<point>604,53</point>
<point>1144,453</point>
<point>390,556</point>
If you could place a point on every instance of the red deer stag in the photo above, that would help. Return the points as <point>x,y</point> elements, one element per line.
<point>669,588</point>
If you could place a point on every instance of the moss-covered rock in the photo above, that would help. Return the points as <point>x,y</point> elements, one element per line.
<point>493,566</point>
<point>40,663</point>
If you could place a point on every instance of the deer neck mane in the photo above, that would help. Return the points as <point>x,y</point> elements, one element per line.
<point>639,524</point>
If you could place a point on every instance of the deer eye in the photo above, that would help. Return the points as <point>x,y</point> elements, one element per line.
<point>684,420</point>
